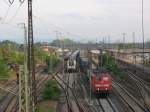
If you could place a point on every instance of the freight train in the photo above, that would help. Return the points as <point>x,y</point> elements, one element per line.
<point>83,64</point>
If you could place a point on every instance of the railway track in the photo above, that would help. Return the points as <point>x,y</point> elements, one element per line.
<point>12,86</point>
<point>132,103</point>
<point>62,85</point>
<point>145,75</point>
<point>69,89</point>
<point>141,80</point>
<point>144,89</point>
<point>104,105</point>
<point>13,105</point>
<point>40,82</point>
<point>9,102</point>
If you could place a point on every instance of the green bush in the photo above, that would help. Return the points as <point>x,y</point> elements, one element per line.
<point>51,62</point>
<point>51,90</point>
<point>4,70</point>
<point>110,65</point>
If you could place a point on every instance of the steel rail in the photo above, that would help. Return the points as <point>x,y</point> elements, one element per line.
<point>130,96</point>
<point>74,95</point>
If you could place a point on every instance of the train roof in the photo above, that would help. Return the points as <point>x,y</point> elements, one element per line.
<point>84,59</point>
<point>74,54</point>
<point>95,51</point>
<point>67,55</point>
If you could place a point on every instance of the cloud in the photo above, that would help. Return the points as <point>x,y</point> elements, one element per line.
<point>91,18</point>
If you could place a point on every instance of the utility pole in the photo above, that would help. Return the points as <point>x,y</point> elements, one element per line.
<point>109,45</point>
<point>31,61</point>
<point>62,47</point>
<point>90,72</point>
<point>57,42</point>
<point>143,32</point>
<point>133,35</point>
<point>96,44</point>
<point>103,42</point>
<point>124,41</point>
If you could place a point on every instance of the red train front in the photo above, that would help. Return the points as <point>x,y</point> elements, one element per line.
<point>101,83</point>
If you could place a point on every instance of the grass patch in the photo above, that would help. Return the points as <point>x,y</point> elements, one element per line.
<point>47,106</point>
<point>51,91</point>
<point>4,70</point>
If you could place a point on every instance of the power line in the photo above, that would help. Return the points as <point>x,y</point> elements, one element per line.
<point>21,1</point>
<point>18,9</point>
<point>12,18</point>
<point>59,28</point>
<point>10,4</point>
<point>11,1</point>
<point>6,14</point>
<point>6,2</point>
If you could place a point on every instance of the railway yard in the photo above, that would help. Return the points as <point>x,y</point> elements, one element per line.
<point>74,56</point>
<point>128,94</point>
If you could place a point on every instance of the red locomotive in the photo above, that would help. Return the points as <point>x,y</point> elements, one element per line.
<point>101,80</point>
<point>101,83</point>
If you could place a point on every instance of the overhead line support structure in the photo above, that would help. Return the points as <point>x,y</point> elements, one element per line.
<point>24,90</point>
<point>31,60</point>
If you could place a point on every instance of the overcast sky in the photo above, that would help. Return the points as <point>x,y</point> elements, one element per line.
<point>81,20</point>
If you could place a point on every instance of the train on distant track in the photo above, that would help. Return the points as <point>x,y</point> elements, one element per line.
<point>101,80</point>
<point>71,62</point>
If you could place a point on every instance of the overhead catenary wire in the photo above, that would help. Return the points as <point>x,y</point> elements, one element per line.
<point>15,14</point>
<point>6,14</point>
<point>5,1</point>
<point>58,28</point>
<point>11,1</point>
<point>10,4</point>
<point>21,3</point>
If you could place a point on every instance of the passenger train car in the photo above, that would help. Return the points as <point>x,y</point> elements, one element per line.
<point>72,61</point>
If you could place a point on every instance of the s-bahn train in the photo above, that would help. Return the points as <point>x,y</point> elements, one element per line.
<point>101,80</point>
<point>72,61</point>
